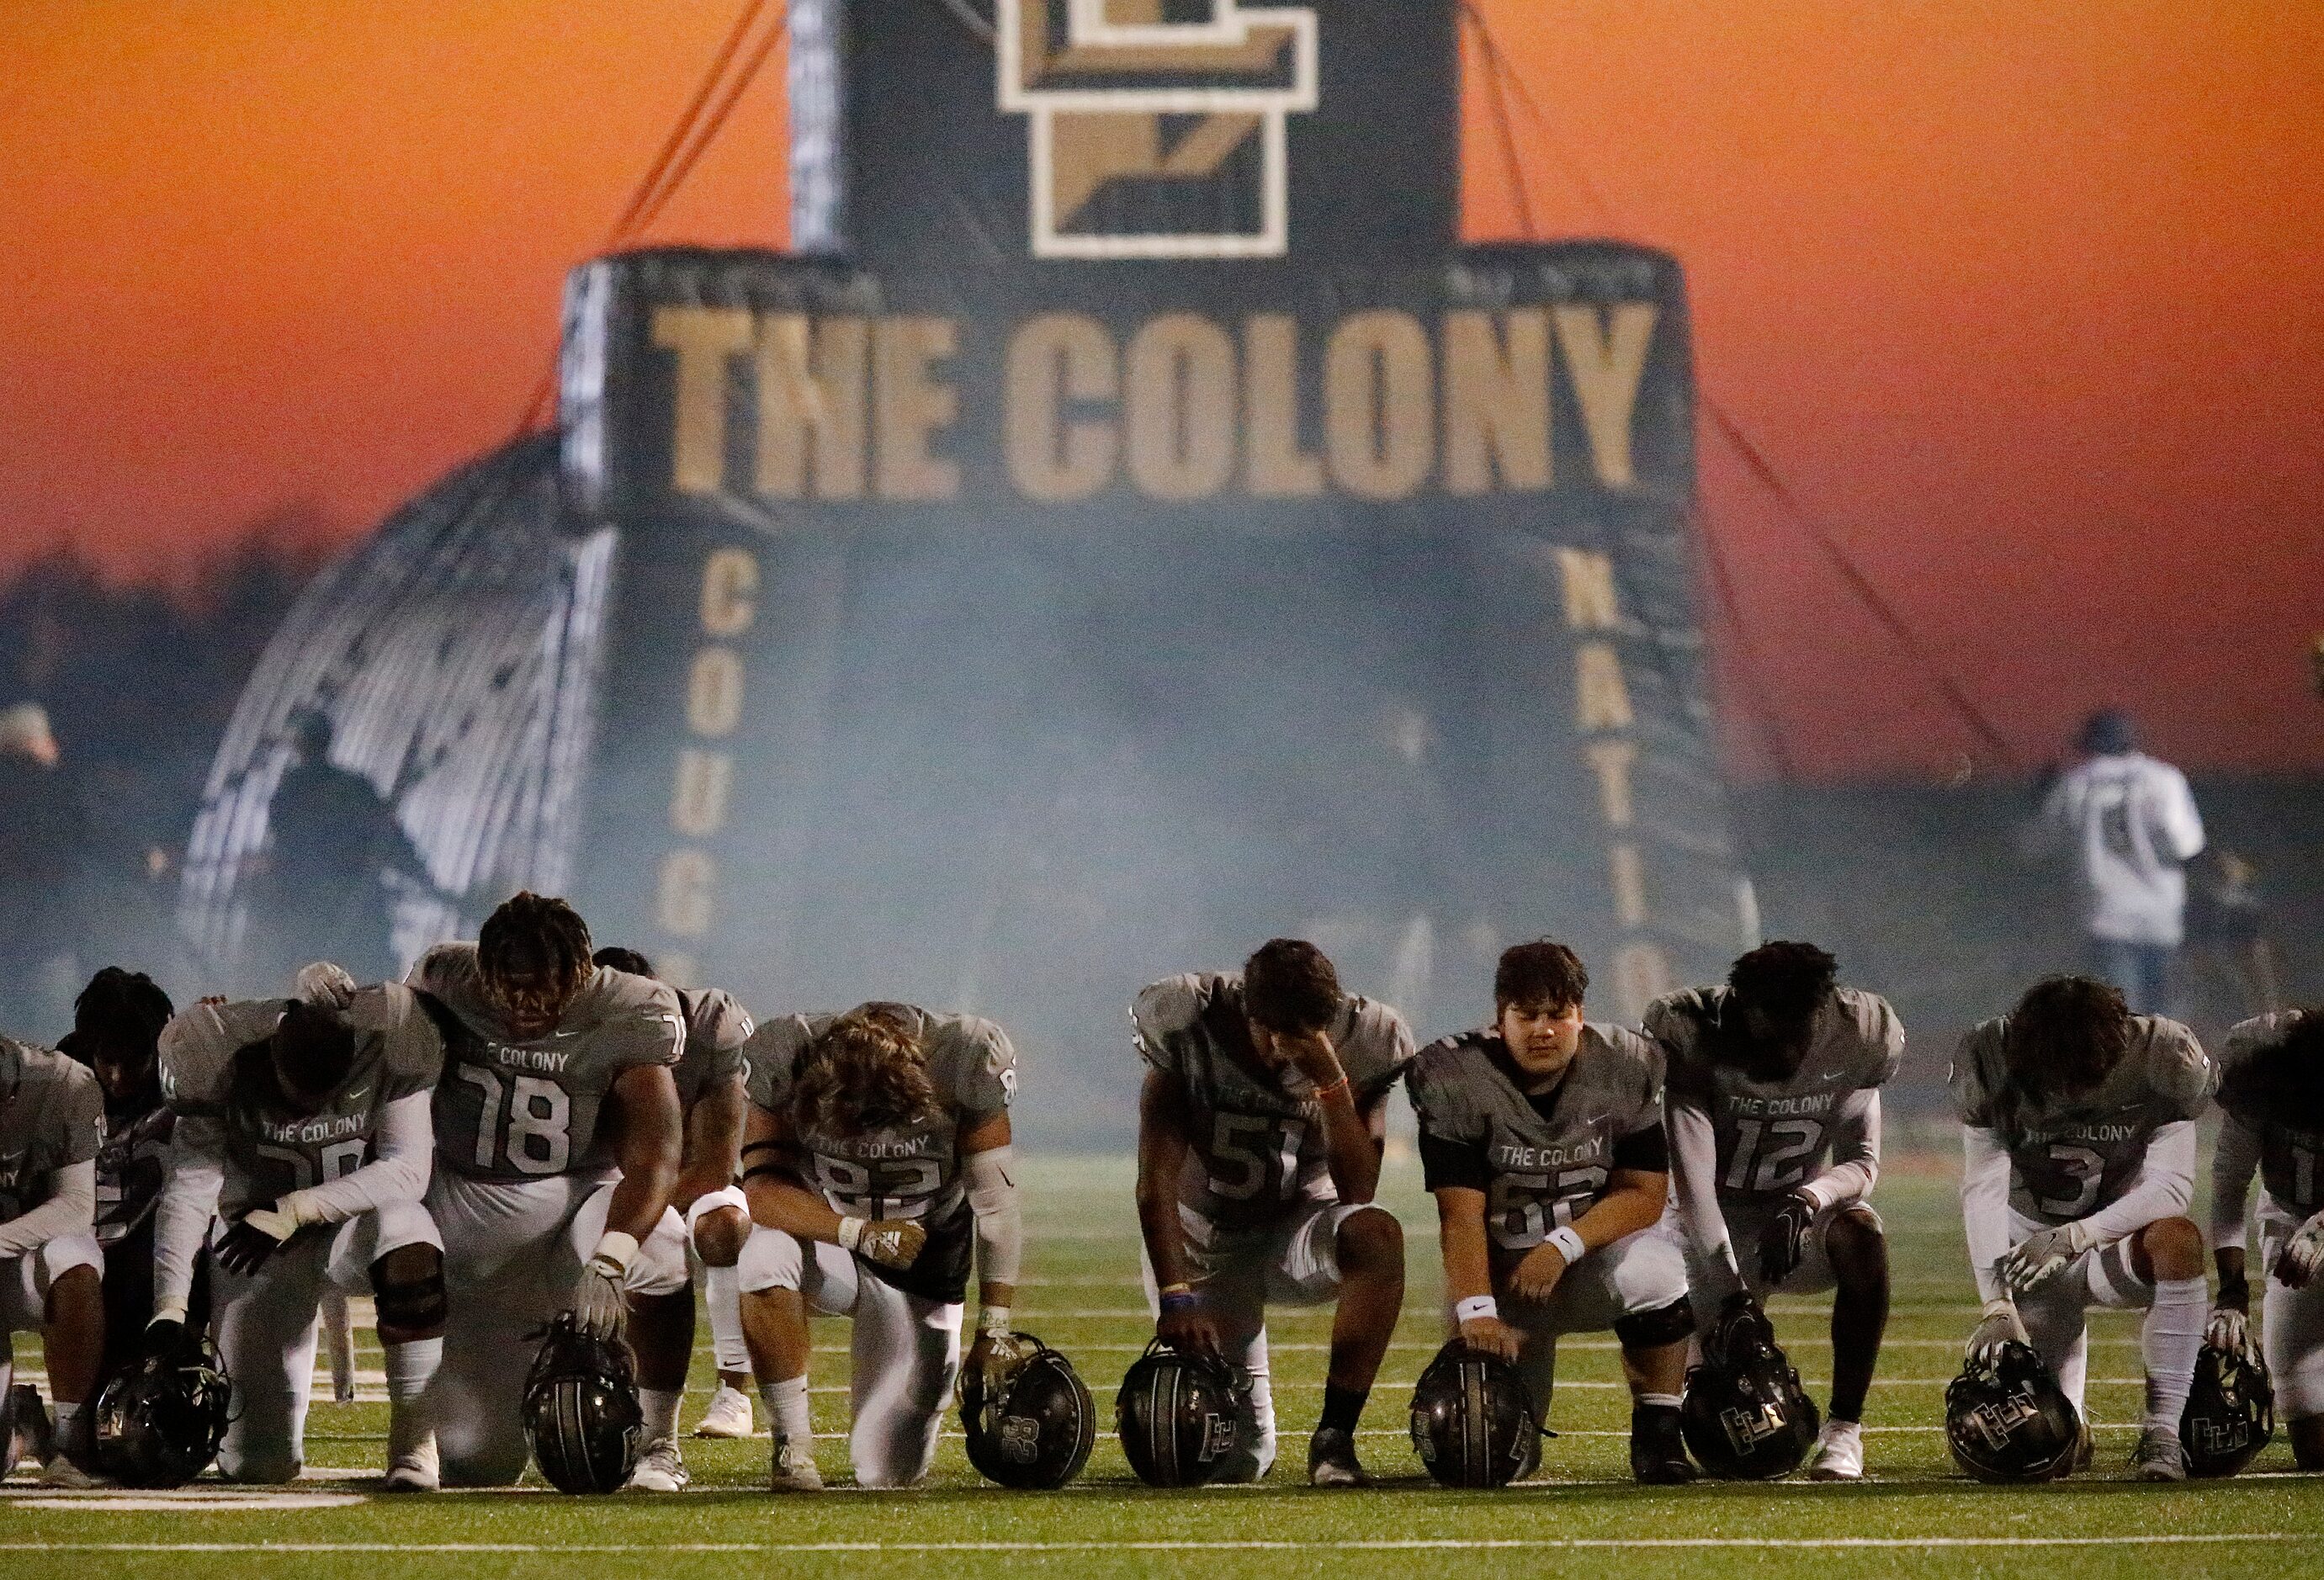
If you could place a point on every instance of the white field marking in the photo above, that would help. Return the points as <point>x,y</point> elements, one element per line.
<point>178,1501</point>
<point>1388,1544</point>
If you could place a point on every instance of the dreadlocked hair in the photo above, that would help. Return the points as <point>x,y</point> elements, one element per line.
<point>2284,1077</point>
<point>530,931</point>
<point>121,1009</point>
<point>2065,1036</point>
<point>865,1073</point>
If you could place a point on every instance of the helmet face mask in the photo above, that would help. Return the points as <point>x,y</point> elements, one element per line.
<point>581,1413</point>
<point>2230,1413</point>
<point>1179,1416</point>
<point>1745,1417</point>
<point>2009,1420</point>
<point>1472,1421</point>
<point>159,1425</point>
<point>1036,1430</point>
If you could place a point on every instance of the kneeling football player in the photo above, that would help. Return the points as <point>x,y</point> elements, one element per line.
<point>1259,1131</point>
<point>52,1122</point>
<point>303,1132</point>
<point>2272,1093</point>
<point>2078,1129</point>
<point>709,1077</point>
<point>1541,1137</point>
<point>877,1163</point>
<point>1774,1109</point>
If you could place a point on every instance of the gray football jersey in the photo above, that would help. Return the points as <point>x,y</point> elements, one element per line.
<point>510,1110</point>
<point>907,1171</point>
<point>52,1116</point>
<point>1544,1169</point>
<point>2070,1156</point>
<point>716,1027</point>
<point>1774,1135</point>
<point>1257,1138</point>
<point>2289,1143</point>
<point>214,1065</point>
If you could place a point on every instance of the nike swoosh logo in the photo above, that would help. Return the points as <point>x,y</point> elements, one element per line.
<point>1835,1075</point>
<point>355,1098</point>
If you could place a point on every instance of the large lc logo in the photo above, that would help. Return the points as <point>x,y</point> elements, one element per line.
<point>1152,138</point>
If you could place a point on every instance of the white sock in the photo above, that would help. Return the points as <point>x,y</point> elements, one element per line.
<point>1660,1401</point>
<point>722,1291</point>
<point>660,1406</point>
<point>410,1366</point>
<point>787,1408</point>
<point>2168,1344</point>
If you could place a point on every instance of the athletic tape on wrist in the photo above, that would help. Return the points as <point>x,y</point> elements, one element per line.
<point>994,1321</point>
<point>615,1249</point>
<point>850,1232</point>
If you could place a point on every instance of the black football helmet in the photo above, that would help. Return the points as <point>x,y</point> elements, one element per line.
<point>1178,1415</point>
<point>1745,1417</point>
<point>2008,1420</point>
<point>581,1411</point>
<point>1035,1429</point>
<point>2230,1413</point>
<point>158,1424</point>
<point>1472,1419</point>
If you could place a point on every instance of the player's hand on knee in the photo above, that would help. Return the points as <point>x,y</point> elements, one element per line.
<point>2042,1255</point>
<point>1783,1242</point>
<point>258,1235</point>
<point>2301,1254</point>
<point>1535,1278</point>
<point>1492,1337</point>
<point>891,1243</point>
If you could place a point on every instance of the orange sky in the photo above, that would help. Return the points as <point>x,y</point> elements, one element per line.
<point>2027,301</point>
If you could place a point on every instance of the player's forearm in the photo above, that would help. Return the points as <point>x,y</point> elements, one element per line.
<point>1633,1201</point>
<point>2232,1167</point>
<point>2235,1287</point>
<point>70,1209</point>
<point>1351,1152</point>
<point>1694,1176</point>
<point>781,1202</point>
<point>1985,1208</point>
<point>2165,1186</point>
<point>1162,1157</point>
<point>713,1145</point>
<point>991,1183</point>
<point>1855,1166</point>
<point>406,1154</point>
<point>1460,1235</point>
<point>649,1171</point>
<point>195,1174</point>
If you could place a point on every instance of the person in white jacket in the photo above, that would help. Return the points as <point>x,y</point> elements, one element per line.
<point>2130,824</point>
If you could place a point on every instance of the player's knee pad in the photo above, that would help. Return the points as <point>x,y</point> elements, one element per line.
<point>770,1260</point>
<point>409,1302</point>
<point>1652,1330</point>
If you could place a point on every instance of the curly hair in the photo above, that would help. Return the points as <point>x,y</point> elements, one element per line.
<point>1786,981</point>
<point>1541,975</point>
<point>2065,1036</point>
<point>532,933</point>
<point>1288,985</point>
<point>865,1071</point>
<point>2286,1077</point>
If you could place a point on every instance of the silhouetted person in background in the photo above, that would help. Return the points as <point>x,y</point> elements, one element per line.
<point>333,841</point>
<point>42,832</point>
<point>2130,824</point>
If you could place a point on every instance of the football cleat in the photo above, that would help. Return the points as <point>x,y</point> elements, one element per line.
<point>1472,1421</point>
<point>1332,1460</point>
<point>728,1416</point>
<point>1031,1425</point>
<point>414,1470</point>
<point>793,1469</point>
<point>61,1473</point>
<point>1837,1453</point>
<point>2230,1413</point>
<point>659,1469</point>
<point>1658,1448</point>
<point>2159,1457</point>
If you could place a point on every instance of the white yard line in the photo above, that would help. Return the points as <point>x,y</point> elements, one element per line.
<point>1416,1544</point>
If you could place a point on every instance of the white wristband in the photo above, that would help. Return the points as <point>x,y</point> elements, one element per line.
<point>615,1249</point>
<point>851,1230</point>
<point>1568,1242</point>
<point>994,1321</point>
<point>1474,1306</point>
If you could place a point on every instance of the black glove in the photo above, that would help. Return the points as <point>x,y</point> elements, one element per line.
<point>246,1248</point>
<point>1784,1239</point>
<point>165,1337</point>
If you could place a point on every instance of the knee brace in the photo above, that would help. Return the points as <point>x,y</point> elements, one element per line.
<point>410,1303</point>
<point>1651,1329</point>
<point>770,1260</point>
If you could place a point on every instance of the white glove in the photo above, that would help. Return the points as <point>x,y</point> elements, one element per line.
<point>2043,1254</point>
<point>2000,1325</point>
<point>2302,1254</point>
<point>599,1304</point>
<point>324,985</point>
<point>2230,1330</point>
<point>892,1243</point>
<point>280,1221</point>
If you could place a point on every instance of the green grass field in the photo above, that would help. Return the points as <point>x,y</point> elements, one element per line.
<point>1914,1517</point>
